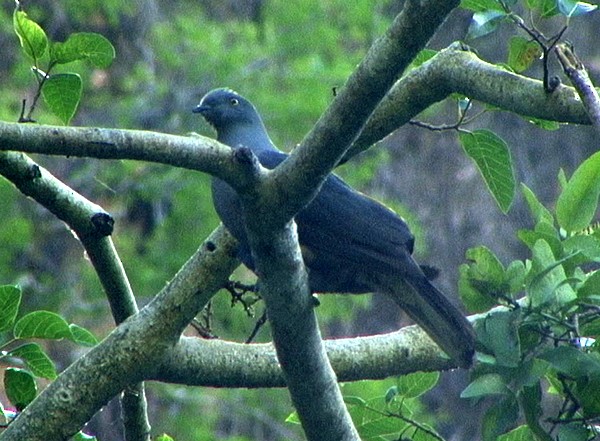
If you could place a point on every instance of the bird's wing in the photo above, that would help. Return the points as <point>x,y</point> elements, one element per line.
<point>350,226</point>
<point>342,227</point>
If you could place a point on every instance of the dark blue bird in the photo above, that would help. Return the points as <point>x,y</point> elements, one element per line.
<point>350,243</point>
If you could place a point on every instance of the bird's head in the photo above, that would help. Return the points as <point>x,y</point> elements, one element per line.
<point>225,109</point>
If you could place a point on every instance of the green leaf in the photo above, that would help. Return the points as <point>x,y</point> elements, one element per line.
<point>521,433</point>
<point>378,427</point>
<point>32,37</point>
<point>498,333</point>
<point>515,276</point>
<point>573,432</point>
<point>481,5</point>
<point>470,292</point>
<point>499,417</point>
<point>293,418</point>
<point>10,299</point>
<point>42,324</point>
<point>587,395</point>
<point>586,245</point>
<point>522,53</point>
<point>578,202</point>
<point>482,280</point>
<point>36,360</point>
<point>84,46</point>
<point>543,123</point>
<point>573,8</point>
<point>486,266</point>
<point>590,287</point>
<point>416,384</point>
<point>538,211</point>
<point>20,387</point>
<point>488,384</point>
<point>62,93</point>
<point>82,336</point>
<point>531,399</point>
<point>572,362</point>
<point>484,22</point>
<point>492,157</point>
<point>164,437</point>
<point>423,56</point>
<point>550,282</point>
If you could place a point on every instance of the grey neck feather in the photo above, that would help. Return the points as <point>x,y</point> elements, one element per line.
<point>253,136</point>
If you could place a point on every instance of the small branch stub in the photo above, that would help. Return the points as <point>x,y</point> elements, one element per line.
<point>103,223</point>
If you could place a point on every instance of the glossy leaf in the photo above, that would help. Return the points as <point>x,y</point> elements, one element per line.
<point>572,362</point>
<point>522,53</point>
<point>574,432</point>
<point>572,8</point>
<point>498,332</point>
<point>82,336</point>
<point>80,436</point>
<point>531,398</point>
<point>62,93</point>
<point>378,427</point>
<point>416,384</point>
<point>492,157</point>
<point>486,385</point>
<point>472,291</point>
<point>36,360</point>
<point>587,395</point>
<point>577,204</point>
<point>84,46</point>
<point>499,417</point>
<point>481,5</point>
<point>20,387</point>
<point>484,22</point>
<point>521,433</point>
<point>591,286</point>
<point>550,282</point>
<point>32,37</point>
<point>10,299</point>
<point>538,211</point>
<point>42,324</point>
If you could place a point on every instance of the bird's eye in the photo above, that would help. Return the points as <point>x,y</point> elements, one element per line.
<point>234,101</point>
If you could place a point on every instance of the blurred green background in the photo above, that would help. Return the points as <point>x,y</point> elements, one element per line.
<point>286,57</point>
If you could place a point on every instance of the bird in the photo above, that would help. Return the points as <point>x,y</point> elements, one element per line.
<point>350,242</point>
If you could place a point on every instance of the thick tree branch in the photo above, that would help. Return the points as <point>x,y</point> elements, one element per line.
<point>218,363</point>
<point>452,70</point>
<point>131,353</point>
<point>93,227</point>
<point>457,70</point>
<point>299,178</point>
<point>271,231</point>
<point>191,152</point>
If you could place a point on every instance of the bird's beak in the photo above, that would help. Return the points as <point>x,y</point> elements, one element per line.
<point>200,108</point>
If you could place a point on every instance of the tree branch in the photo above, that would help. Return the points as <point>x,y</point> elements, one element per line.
<point>218,363</point>
<point>458,70</point>
<point>324,146</point>
<point>131,353</point>
<point>280,194</point>
<point>191,152</point>
<point>93,226</point>
<point>576,72</point>
<point>452,70</point>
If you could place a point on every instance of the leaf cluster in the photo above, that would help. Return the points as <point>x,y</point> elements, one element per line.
<point>543,340</point>
<point>27,361</point>
<point>61,91</point>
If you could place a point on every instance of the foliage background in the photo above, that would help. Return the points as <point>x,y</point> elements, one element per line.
<point>286,57</point>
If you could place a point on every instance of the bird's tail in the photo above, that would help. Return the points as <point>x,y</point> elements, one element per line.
<point>443,322</point>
